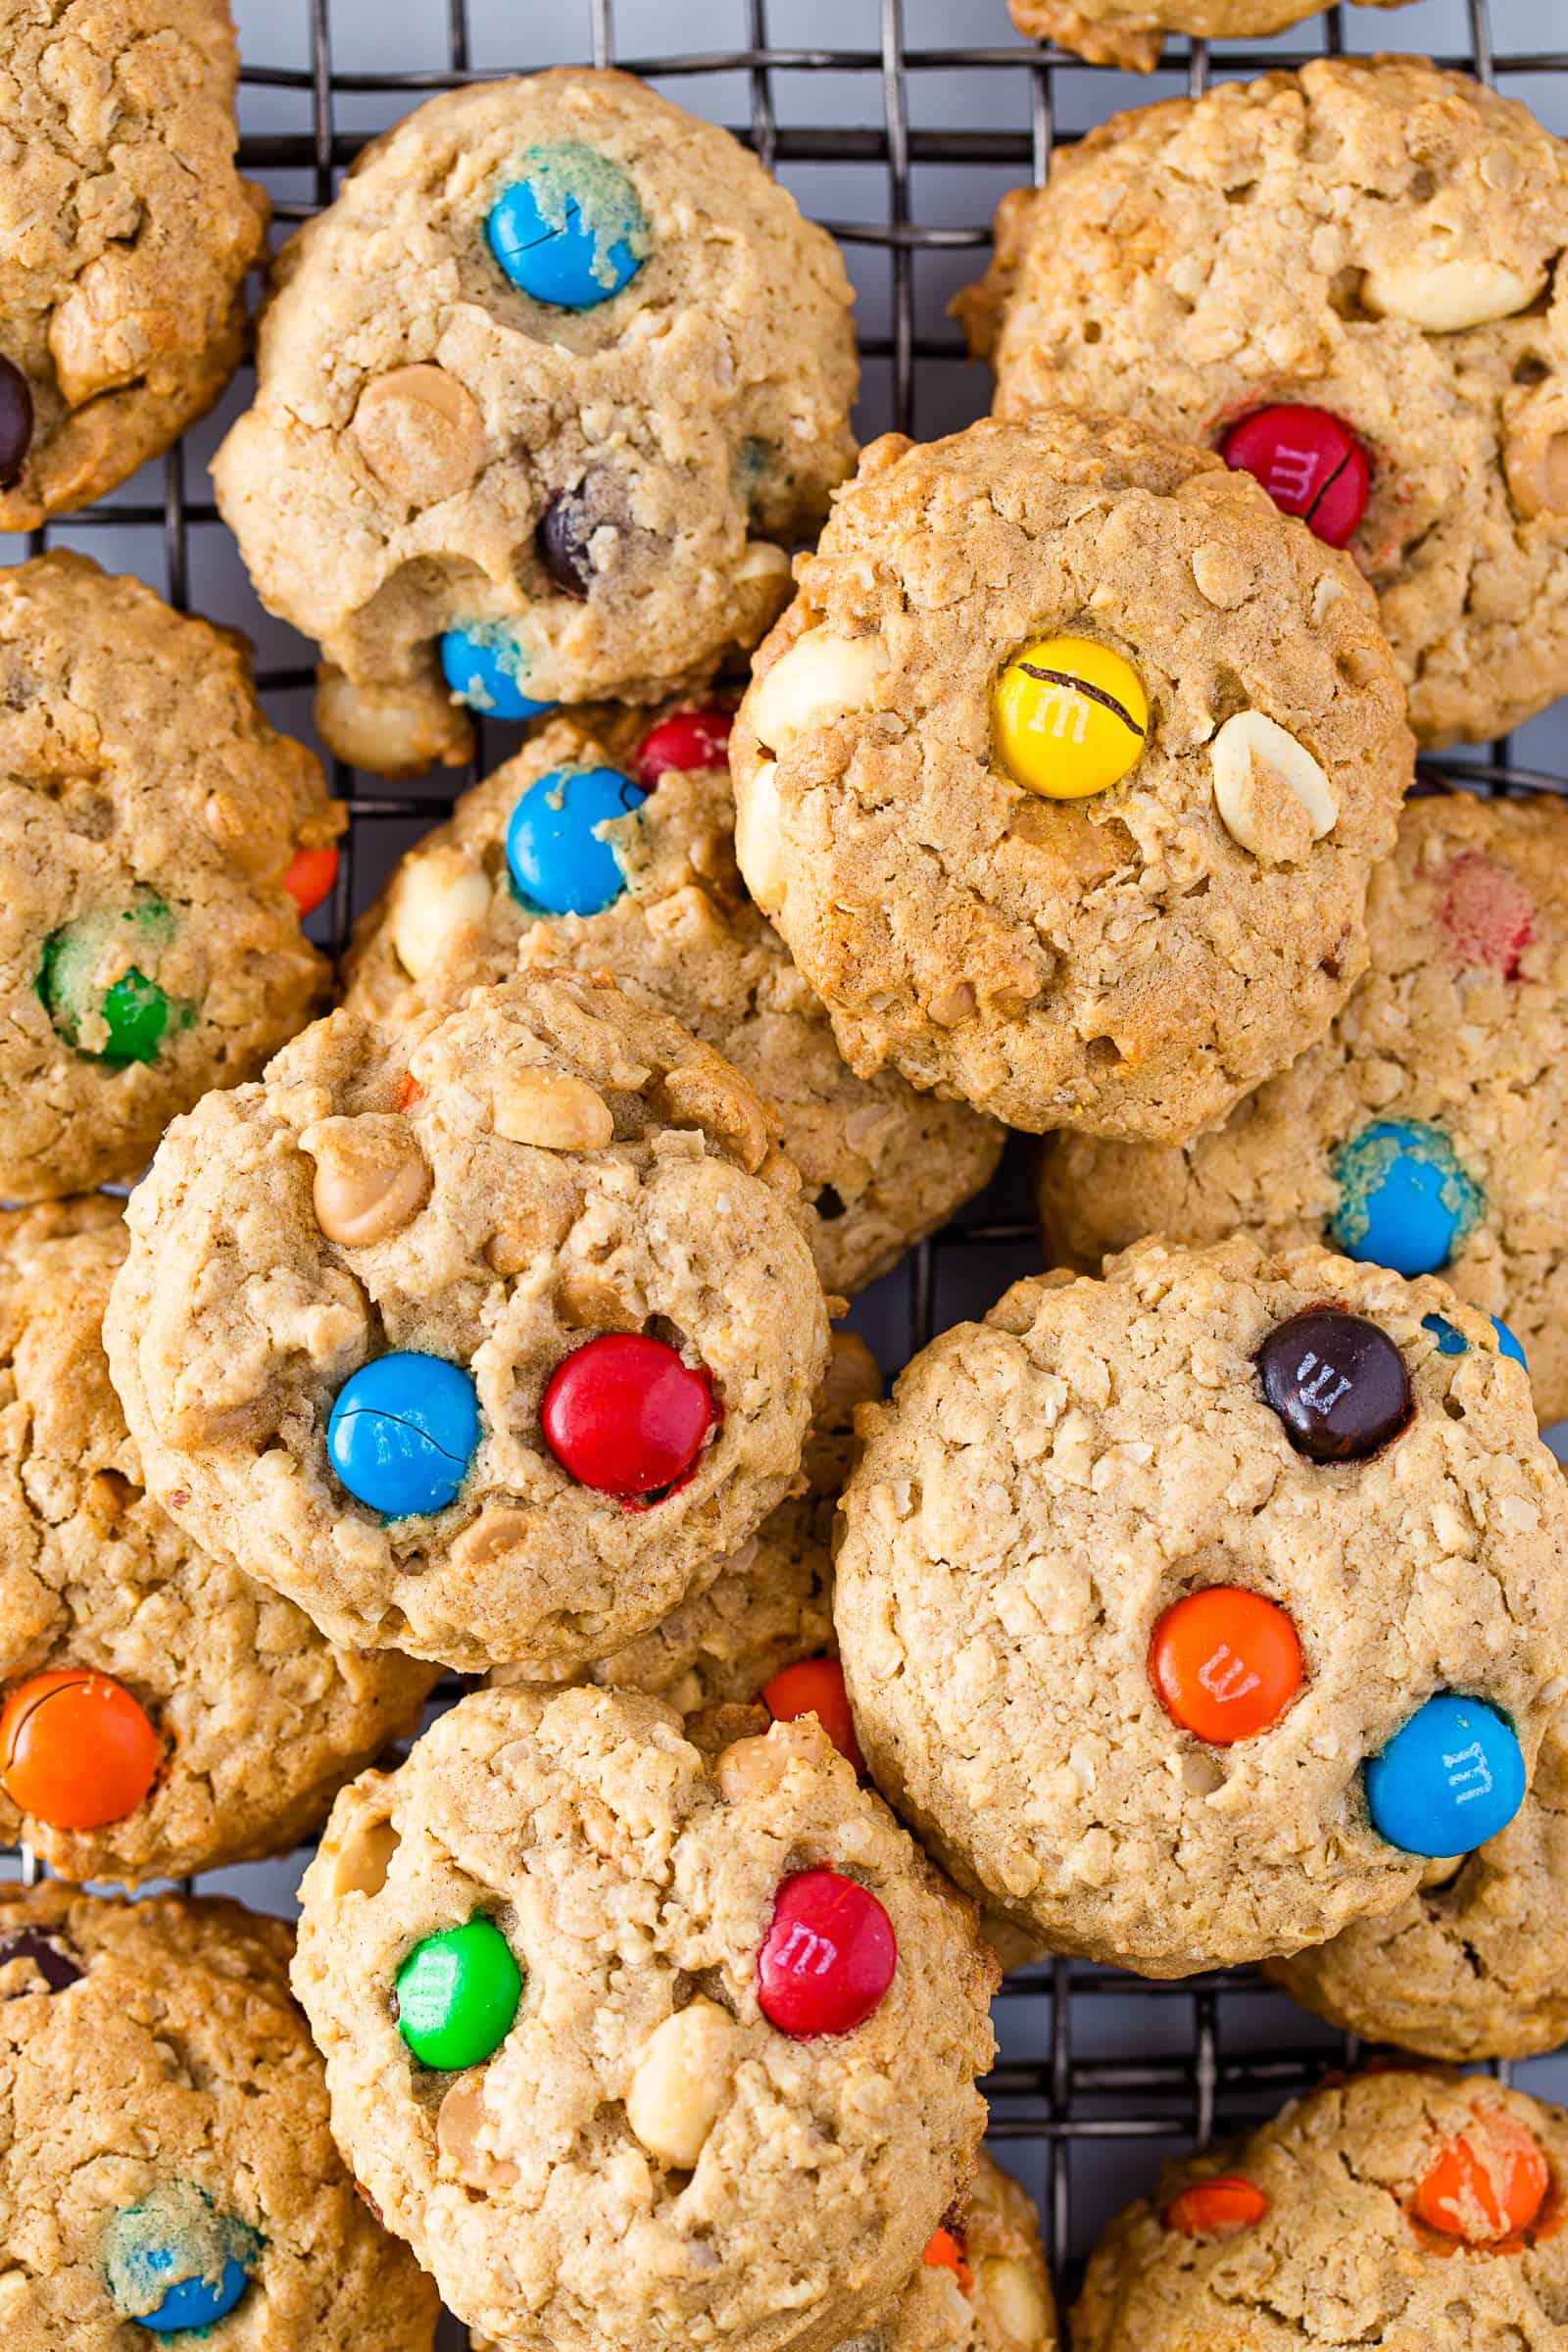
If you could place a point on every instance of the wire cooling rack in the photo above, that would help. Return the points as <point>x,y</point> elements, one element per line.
<point>899,137</point>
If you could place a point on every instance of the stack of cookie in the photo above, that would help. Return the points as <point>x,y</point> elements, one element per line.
<point>1206,1604</point>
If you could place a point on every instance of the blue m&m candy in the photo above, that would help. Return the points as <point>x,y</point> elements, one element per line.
<point>1453,1342</point>
<point>557,859</point>
<point>403,1433</point>
<point>569,229</point>
<point>481,665</point>
<point>1448,1780</point>
<point>197,2302</point>
<point>174,2263</point>
<point>1404,1201</point>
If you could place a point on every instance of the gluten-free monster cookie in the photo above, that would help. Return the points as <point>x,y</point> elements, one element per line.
<point>1429,1129</point>
<point>1393,2210</point>
<point>162,1714</point>
<point>639,2046</point>
<point>1064,772</point>
<point>128,234</point>
<point>609,843</point>
<point>1475,1964</point>
<point>1189,1612</point>
<point>159,841</point>
<point>488,1336</point>
<point>1346,281</point>
<point>1132,32</point>
<point>166,2170</point>
<point>541,399</point>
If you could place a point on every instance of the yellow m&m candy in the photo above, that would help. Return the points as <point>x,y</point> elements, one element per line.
<point>1071,717</point>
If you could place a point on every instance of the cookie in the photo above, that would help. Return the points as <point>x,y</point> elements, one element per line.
<point>637,2046</point>
<point>161,1713</point>
<point>607,844</point>
<point>167,2153</point>
<point>1395,2209</point>
<point>1474,1964</point>
<point>1131,33</point>
<point>1063,774</point>
<point>1342,279</point>
<point>541,399</point>
<point>488,1336</point>
<point>1429,1129</point>
<point>154,833</point>
<point>1186,1613</point>
<point>127,237</point>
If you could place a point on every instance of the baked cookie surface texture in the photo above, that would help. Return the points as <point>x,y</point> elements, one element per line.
<point>1132,32</point>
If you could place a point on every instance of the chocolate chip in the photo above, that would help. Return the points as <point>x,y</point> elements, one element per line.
<point>829,1204</point>
<point>1338,1384</point>
<point>15,423</point>
<point>565,530</point>
<point>48,1955</point>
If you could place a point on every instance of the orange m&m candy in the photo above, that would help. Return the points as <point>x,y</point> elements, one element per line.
<point>946,2253</point>
<point>309,878</point>
<point>76,1749</point>
<point>1226,1663</point>
<point>815,1687</point>
<point>1489,2184</point>
<point>1216,2208</point>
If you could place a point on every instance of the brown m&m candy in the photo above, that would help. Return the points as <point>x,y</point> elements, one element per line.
<point>1338,1384</point>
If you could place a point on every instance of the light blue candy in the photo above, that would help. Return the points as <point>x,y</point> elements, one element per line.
<point>403,1433</point>
<point>1404,1201</point>
<point>195,2302</point>
<point>481,665</point>
<point>1448,1780</point>
<point>1453,1342</point>
<point>569,229</point>
<point>554,855</point>
<point>174,2263</point>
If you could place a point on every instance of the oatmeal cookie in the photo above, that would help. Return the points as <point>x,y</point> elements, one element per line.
<point>1131,33</point>
<point>1188,1612</point>
<point>488,1336</point>
<point>607,844</point>
<point>541,399</point>
<point>1347,280</point>
<point>158,840</point>
<point>1395,2210</point>
<point>1429,1129</point>
<point>165,2152</point>
<point>641,2048</point>
<point>1064,775</point>
<point>127,236</point>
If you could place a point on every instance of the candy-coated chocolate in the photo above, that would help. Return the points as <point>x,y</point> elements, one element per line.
<point>1448,1780</point>
<point>134,1009</point>
<point>1488,918</point>
<point>1226,1663</point>
<point>622,1414</point>
<point>1219,2207</point>
<point>403,1433</point>
<point>76,1749</point>
<point>309,878</point>
<point>1404,1201</point>
<point>1338,1384</point>
<point>16,422</point>
<point>1487,2184</point>
<point>1071,717</point>
<point>457,1994</point>
<point>197,2302</point>
<point>557,860</point>
<point>1451,1341</point>
<point>946,2251</point>
<point>815,1687</point>
<point>47,1955</point>
<point>1310,464</point>
<point>562,537</point>
<point>481,665</point>
<point>174,2263</point>
<point>687,739</point>
<point>569,230</point>
<point>828,1957</point>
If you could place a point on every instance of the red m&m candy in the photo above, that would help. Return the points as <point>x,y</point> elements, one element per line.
<point>1488,918</point>
<point>1216,2208</point>
<point>1226,1663</point>
<point>686,739</point>
<point>309,878</point>
<point>76,1749</point>
<point>828,1957</point>
<point>1489,2184</point>
<point>815,1687</point>
<point>1310,464</point>
<point>625,1416</point>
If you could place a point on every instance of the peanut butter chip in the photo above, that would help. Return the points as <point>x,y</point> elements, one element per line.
<point>361,1862</point>
<point>461,2119</point>
<point>553,1110</point>
<point>371,1178</point>
<point>1271,794</point>
<point>496,1531</point>
<point>420,433</point>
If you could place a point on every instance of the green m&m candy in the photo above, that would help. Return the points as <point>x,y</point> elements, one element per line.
<point>456,1996</point>
<point>135,1012</point>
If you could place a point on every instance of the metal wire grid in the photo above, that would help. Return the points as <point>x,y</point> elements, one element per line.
<point>1075,2078</point>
